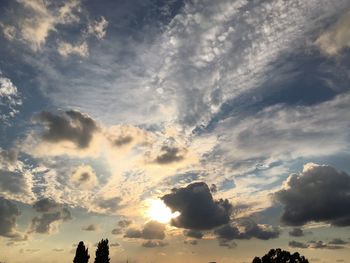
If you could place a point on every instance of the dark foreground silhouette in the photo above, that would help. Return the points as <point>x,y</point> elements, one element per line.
<point>102,253</point>
<point>280,256</point>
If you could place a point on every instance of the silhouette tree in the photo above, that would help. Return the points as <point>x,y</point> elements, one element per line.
<point>81,254</point>
<point>102,252</point>
<point>280,256</point>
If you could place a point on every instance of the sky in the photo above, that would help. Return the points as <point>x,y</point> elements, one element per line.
<point>181,130</point>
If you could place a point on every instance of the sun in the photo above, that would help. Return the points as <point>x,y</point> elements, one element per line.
<point>158,211</point>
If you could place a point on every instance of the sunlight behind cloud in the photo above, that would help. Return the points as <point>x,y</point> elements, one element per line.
<point>158,211</point>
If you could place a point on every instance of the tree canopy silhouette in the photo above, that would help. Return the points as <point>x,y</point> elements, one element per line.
<point>81,254</point>
<point>280,256</point>
<point>102,252</point>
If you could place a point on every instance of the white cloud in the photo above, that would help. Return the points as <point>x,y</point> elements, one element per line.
<point>9,99</point>
<point>36,27</point>
<point>337,37</point>
<point>65,49</point>
<point>98,28</point>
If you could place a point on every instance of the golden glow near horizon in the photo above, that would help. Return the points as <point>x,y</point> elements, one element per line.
<point>158,211</point>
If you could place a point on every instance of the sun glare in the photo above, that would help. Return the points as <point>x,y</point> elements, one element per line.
<point>158,211</point>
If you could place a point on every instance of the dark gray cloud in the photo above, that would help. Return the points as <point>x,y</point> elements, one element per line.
<point>70,125</point>
<point>319,193</point>
<point>338,241</point>
<point>296,244</point>
<point>296,232</point>
<point>193,233</point>
<point>122,140</point>
<point>8,156</point>
<point>246,229</point>
<point>110,204</point>
<point>153,243</point>
<point>9,213</point>
<point>51,212</point>
<point>91,227</point>
<point>45,205</point>
<point>169,154</point>
<point>13,182</point>
<point>198,210</point>
<point>151,230</point>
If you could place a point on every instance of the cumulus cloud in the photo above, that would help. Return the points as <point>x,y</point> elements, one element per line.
<point>10,99</point>
<point>151,230</point>
<point>198,210</point>
<point>42,18</point>
<point>98,28</point>
<point>169,155</point>
<point>66,49</point>
<point>52,214</point>
<point>84,177</point>
<point>246,229</point>
<point>124,223</point>
<point>72,126</point>
<point>337,37</point>
<point>319,193</point>
<point>9,213</point>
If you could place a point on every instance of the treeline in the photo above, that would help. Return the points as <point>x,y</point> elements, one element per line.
<point>102,253</point>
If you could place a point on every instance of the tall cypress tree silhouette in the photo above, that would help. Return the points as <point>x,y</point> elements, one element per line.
<point>81,254</point>
<point>102,252</point>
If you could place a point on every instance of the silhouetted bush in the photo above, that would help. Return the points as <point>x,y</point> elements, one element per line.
<point>280,256</point>
<point>81,254</point>
<point>102,252</point>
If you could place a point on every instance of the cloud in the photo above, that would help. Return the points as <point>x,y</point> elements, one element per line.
<point>246,229</point>
<point>52,214</point>
<point>338,241</point>
<point>124,223</point>
<point>9,213</point>
<point>153,244</point>
<point>296,232</point>
<point>72,126</point>
<point>84,177</point>
<point>8,31</point>
<point>193,233</point>
<point>151,230</point>
<point>198,210</point>
<point>58,249</point>
<point>317,184</point>
<point>66,49</point>
<point>296,244</point>
<point>169,155</point>
<point>10,99</point>
<point>91,227</point>
<point>45,205</point>
<point>108,205</point>
<point>337,37</point>
<point>323,245</point>
<point>41,20</point>
<point>16,178</point>
<point>98,28</point>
